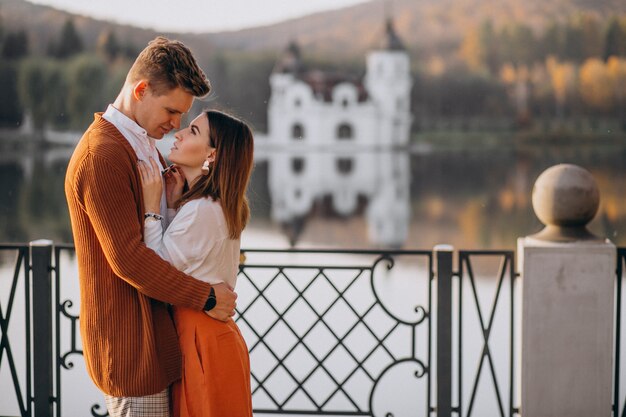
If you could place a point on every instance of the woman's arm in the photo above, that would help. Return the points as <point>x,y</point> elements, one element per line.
<point>152,188</point>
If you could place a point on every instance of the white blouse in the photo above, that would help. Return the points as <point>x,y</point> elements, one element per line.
<point>196,242</point>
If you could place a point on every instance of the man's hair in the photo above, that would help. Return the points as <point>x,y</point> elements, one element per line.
<point>168,64</point>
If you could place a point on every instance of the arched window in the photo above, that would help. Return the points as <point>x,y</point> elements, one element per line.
<point>297,165</point>
<point>344,131</point>
<point>344,165</point>
<point>297,131</point>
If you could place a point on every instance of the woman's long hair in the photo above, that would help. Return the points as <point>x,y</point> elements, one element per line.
<point>229,173</point>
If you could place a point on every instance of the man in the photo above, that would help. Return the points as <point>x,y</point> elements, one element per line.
<point>129,340</point>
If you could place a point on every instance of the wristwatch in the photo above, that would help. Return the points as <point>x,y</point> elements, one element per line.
<point>211,301</point>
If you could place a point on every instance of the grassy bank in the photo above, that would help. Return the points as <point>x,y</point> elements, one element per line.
<point>455,139</point>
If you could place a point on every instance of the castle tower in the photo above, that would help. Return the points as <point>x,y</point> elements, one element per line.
<point>284,75</point>
<point>388,83</point>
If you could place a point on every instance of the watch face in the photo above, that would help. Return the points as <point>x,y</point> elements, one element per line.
<point>210,303</point>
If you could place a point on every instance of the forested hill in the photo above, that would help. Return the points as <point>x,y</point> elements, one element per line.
<point>43,25</point>
<point>423,24</point>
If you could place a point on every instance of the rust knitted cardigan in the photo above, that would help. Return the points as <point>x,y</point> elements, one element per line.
<point>129,340</point>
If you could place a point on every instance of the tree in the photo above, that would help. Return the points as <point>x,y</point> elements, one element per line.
<point>552,41</point>
<point>595,85</point>
<point>563,81</point>
<point>616,68</point>
<point>69,43</point>
<point>87,75</point>
<point>490,48</point>
<point>130,50</point>
<point>480,49</point>
<point>472,52</point>
<point>32,90</point>
<point>520,45</point>
<point>572,44</point>
<point>108,45</point>
<point>592,36</point>
<point>10,106</point>
<point>15,45</point>
<point>615,40</point>
<point>56,95</point>
<point>517,80</point>
<point>116,76</point>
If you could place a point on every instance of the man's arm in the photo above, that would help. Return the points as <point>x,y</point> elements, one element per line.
<point>106,191</point>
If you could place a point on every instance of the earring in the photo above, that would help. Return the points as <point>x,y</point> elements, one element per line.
<point>205,167</point>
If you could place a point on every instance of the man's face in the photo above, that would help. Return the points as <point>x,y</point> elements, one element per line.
<point>160,114</point>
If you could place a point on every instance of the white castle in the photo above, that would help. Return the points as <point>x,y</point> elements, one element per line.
<point>313,108</point>
<point>335,141</point>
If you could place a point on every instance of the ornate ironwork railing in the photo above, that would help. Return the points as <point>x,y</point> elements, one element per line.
<point>485,310</point>
<point>323,335</point>
<point>326,330</point>
<point>20,272</point>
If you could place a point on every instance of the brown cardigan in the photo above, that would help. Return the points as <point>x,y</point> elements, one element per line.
<point>129,340</point>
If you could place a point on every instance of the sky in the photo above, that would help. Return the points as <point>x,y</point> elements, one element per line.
<point>196,15</point>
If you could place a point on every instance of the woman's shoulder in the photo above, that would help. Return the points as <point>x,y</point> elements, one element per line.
<point>203,203</point>
<point>204,208</point>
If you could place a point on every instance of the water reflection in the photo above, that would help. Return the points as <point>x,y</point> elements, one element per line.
<point>32,198</point>
<point>340,185</point>
<point>471,198</point>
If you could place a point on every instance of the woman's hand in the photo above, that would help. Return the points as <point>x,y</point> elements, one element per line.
<point>152,186</point>
<point>174,183</point>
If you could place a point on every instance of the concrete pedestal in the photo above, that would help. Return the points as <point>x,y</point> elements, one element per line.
<point>567,328</point>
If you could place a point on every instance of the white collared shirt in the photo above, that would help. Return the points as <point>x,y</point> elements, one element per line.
<point>197,242</point>
<point>143,145</point>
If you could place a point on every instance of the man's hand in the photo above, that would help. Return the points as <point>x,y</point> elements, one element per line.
<point>225,307</point>
<point>152,185</point>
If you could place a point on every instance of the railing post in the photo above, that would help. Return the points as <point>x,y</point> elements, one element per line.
<point>568,284</point>
<point>443,272</point>
<point>41,257</point>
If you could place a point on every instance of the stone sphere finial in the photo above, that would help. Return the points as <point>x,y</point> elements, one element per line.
<point>565,198</point>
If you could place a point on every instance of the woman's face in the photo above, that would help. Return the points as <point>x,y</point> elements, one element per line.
<point>191,147</point>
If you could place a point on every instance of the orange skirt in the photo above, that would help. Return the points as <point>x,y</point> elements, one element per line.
<point>216,368</point>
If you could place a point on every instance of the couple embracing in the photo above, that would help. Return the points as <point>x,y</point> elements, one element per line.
<point>158,248</point>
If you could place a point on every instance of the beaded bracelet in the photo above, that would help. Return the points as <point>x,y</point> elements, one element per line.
<point>153,215</point>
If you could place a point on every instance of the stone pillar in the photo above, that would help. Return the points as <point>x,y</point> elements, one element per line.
<point>568,279</point>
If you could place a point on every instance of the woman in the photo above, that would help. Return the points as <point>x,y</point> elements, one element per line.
<point>214,157</point>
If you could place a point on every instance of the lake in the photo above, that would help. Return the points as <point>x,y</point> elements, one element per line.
<point>476,197</point>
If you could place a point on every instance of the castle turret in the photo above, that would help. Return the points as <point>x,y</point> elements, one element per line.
<point>289,62</point>
<point>388,83</point>
<point>284,75</point>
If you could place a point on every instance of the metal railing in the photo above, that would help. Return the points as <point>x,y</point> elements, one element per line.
<point>323,333</point>
<point>22,391</point>
<point>506,273</point>
<point>331,317</point>
<point>617,398</point>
